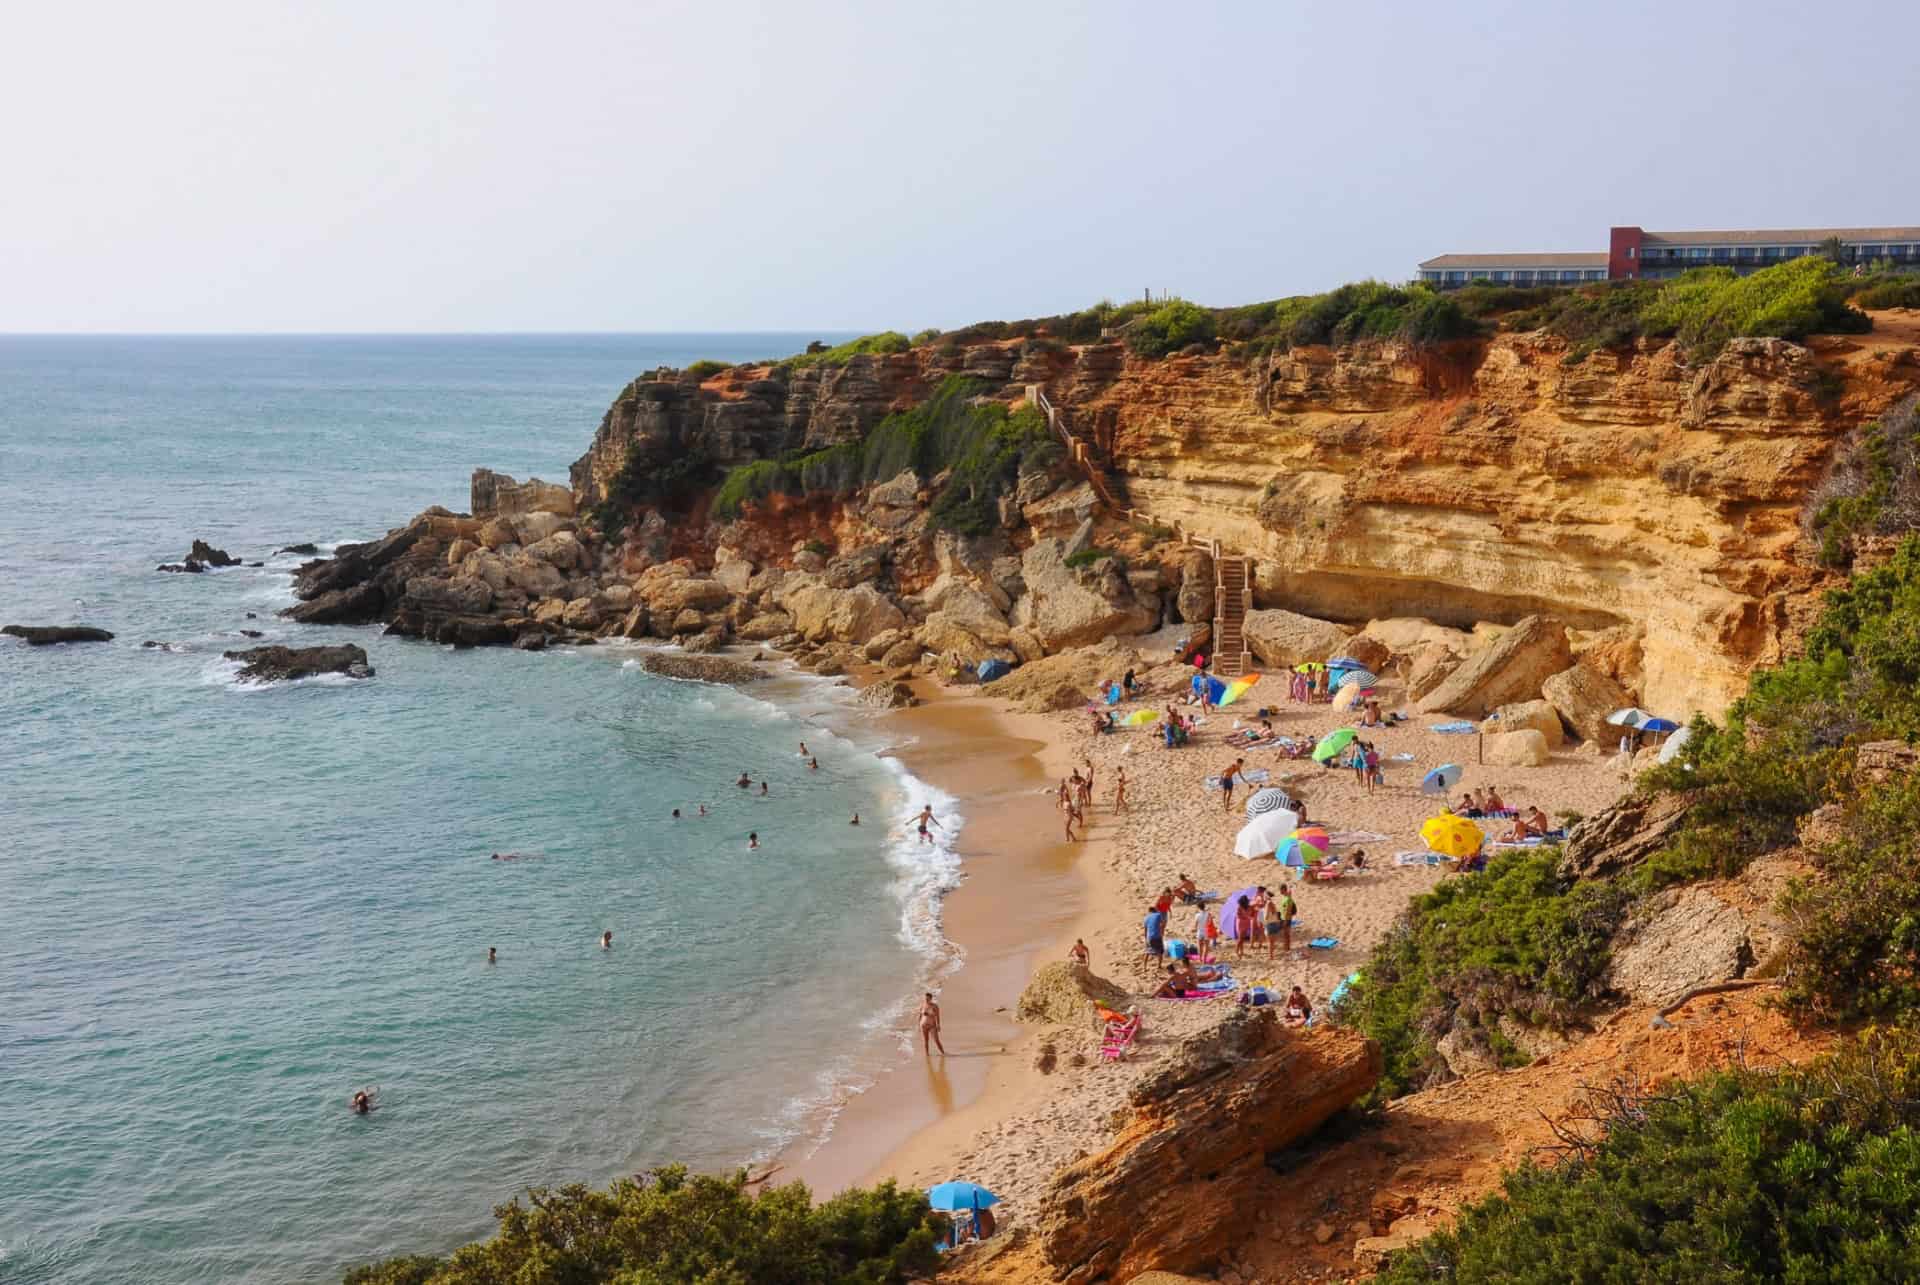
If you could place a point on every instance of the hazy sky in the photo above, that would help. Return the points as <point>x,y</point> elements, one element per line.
<point>238,165</point>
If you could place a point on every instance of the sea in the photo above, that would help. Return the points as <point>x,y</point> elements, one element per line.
<point>225,908</point>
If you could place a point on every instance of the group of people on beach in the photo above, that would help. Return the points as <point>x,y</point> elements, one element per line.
<point>1264,917</point>
<point>1074,799</point>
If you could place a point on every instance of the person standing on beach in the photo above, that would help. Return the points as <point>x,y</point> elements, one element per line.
<point>1086,789</point>
<point>1242,926</point>
<point>1074,818</point>
<point>1226,781</point>
<point>1287,911</point>
<point>1120,791</point>
<point>930,1026</point>
<point>1080,954</point>
<point>1262,899</point>
<point>1156,925</point>
<point>924,820</point>
<point>1064,797</point>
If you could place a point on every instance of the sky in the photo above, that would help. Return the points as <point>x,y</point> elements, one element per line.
<point>617,165</point>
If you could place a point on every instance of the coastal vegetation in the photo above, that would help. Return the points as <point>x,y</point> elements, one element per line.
<point>1874,488</point>
<point>670,1227</point>
<point>1806,1175</point>
<point>981,444</point>
<point>645,479</point>
<point>876,345</point>
<point>1516,942</point>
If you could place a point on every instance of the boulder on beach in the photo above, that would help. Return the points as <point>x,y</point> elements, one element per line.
<point>1283,639</point>
<point>1511,668</point>
<point>284,664</point>
<point>1526,748</point>
<point>1583,697</point>
<point>47,635</point>
<point>1063,993</point>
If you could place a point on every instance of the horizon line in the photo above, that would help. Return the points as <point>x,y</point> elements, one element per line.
<point>409,334</point>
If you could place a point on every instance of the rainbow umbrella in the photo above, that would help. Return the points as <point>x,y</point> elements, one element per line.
<point>1303,847</point>
<point>1140,718</point>
<point>1452,836</point>
<point>1332,743</point>
<point>1237,688</point>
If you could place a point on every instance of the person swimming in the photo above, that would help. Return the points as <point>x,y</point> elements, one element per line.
<point>744,781</point>
<point>803,750</point>
<point>814,764</point>
<point>703,809</point>
<point>856,819</point>
<point>362,1102</point>
<point>753,840</point>
<point>606,940</point>
<point>492,956</point>
<point>676,814</point>
<point>763,789</point>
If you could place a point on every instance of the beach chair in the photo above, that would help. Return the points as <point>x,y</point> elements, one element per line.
<point>1119,1038</point>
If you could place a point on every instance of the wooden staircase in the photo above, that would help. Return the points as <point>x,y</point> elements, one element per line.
<point>1230,595</point>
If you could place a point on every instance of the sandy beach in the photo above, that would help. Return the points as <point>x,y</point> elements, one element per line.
<point>988,1113</point>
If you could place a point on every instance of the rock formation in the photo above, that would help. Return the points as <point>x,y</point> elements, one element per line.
<point>1622,836</point>
<point>704,669</point>
<point>47,635</point>
<point>1583,697</point>
<point>284,664</point>
<point>1511,668</point>
<point>1161,1196</point>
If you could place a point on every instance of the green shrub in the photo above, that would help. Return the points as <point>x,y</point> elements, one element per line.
<point>1802,1175</point>
<point>1706,307</point>
<point>1169,328</point>
<point>1892,291</point>
<point>1874,488</point>
<point>755,481</point>
<point>1088,556</point>
<point>1592,317</point>
<point>1514,939</point>
<point>881,344</point>
<point>646,479</point>
<point>673,1227</point>
<point>706,369</point>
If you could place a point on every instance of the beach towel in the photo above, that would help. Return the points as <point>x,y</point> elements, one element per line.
<point>1323,943</point>
<point>1347,838</point>
<point>1402,757</point>
<point>1416,858</point>
<point>1452,727</point>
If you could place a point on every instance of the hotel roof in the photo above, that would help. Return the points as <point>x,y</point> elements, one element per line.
<point>1783,236</point>
<point>1517,261</point>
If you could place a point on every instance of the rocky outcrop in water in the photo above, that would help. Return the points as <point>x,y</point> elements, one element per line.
<point>284,664</point>
<point>703,669</point>
<point>47,635</point>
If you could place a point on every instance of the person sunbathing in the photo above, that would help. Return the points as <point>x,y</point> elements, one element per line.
<point>1493,801</point>
<point>1536,821</point>
<point>1187,890</point>
<point>1520,833</point>
<point>1298,1011</point>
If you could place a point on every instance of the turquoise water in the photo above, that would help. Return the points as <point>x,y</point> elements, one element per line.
<point>225,909</point>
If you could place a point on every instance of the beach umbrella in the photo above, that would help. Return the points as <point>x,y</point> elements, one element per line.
<point>1140,718</point>
<point>1237,688</point>
<point>1442,779</point>
<point>1355,678</point>
<point>1659,725</point>
<point>1224,913</point>
<point>1270,799</point>
<point>1260,836</point>
<point>1630,717</point>
<point>1307,844</point>
<point>1452,836</point>
<point>951,1197</point>
<point>991,668</point>
<point>1344,662</point>
<point>1332,743</point>
<point>1675,743</point>
<point>1311,667</point>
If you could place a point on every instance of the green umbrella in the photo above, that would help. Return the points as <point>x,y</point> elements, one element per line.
<point>1333,743</point>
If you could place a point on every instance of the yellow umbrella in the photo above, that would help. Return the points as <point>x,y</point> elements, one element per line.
<point>1139,717</point>
<point>1452,836</point>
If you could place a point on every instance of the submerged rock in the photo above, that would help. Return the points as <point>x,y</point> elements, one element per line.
<point>46,635</point>
<point>705,669</point>
<point>304,550</point>
<point>283,664</point>
<point>207,555</point>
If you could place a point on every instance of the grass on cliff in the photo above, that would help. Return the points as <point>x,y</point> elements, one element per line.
<point>1801,1175</point>
<point>673,1227</point>
<point>876,345</point>
<point>645,479</point>
<point>1515,941</point>
<point>982,445</point>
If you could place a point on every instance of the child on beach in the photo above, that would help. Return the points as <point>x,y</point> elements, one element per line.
<point>1120,791</point>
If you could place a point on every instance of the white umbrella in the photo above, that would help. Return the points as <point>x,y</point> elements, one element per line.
<point>1628,717</point>
<point>1675,743</point>
<point>1260,836</point>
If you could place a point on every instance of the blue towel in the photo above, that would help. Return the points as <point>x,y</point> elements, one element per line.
<point>1452,727</point>
<point>1324,943</point>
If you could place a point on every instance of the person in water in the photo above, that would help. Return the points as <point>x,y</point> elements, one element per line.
<point>803,750</point>
<point>493,956</point>
<point>703,809</point>
<point>676,814</point>
<point>753,840</point>
<point>763,789</point>
<point>813,764</point>
<point>930,1026</point>
<point>606,940</point>
<point>744,781</point>
<point>362,1102</point>
<point>856,819</point>
<point>924,820</point>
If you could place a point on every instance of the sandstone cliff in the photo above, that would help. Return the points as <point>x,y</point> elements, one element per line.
<point>1484,482</point>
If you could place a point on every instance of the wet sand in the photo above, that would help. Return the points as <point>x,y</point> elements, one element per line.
<point>1022,890</point>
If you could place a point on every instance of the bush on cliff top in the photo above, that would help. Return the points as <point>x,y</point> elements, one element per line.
<point>876,345</point>
<point>1169,328</point>
<point>1802,1175</point>
<point>1516,940</point>
<point>674,1227</point>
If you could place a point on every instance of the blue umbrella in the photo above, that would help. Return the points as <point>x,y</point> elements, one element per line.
<point>950,1197</point>
<point>1344,662</point>
<point>1442,779</point>
<point>1659,725</point>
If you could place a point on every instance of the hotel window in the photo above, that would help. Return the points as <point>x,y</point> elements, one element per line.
<point>1631,249</point>
<point>1501,277</point>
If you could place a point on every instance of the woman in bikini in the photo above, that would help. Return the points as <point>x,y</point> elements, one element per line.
<point>930,1026</point>
<point>1120,791</point>
<point>1242,926</point>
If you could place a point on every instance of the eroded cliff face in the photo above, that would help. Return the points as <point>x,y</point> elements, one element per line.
<point>1483,482</point>
<point>1491,481</point>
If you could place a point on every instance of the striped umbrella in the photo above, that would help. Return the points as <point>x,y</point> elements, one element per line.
<point>1353,677</point>
<point>1307,844</point>
<point>1269,800</point>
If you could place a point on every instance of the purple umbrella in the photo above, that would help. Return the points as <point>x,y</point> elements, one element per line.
<point>1227,908</point>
